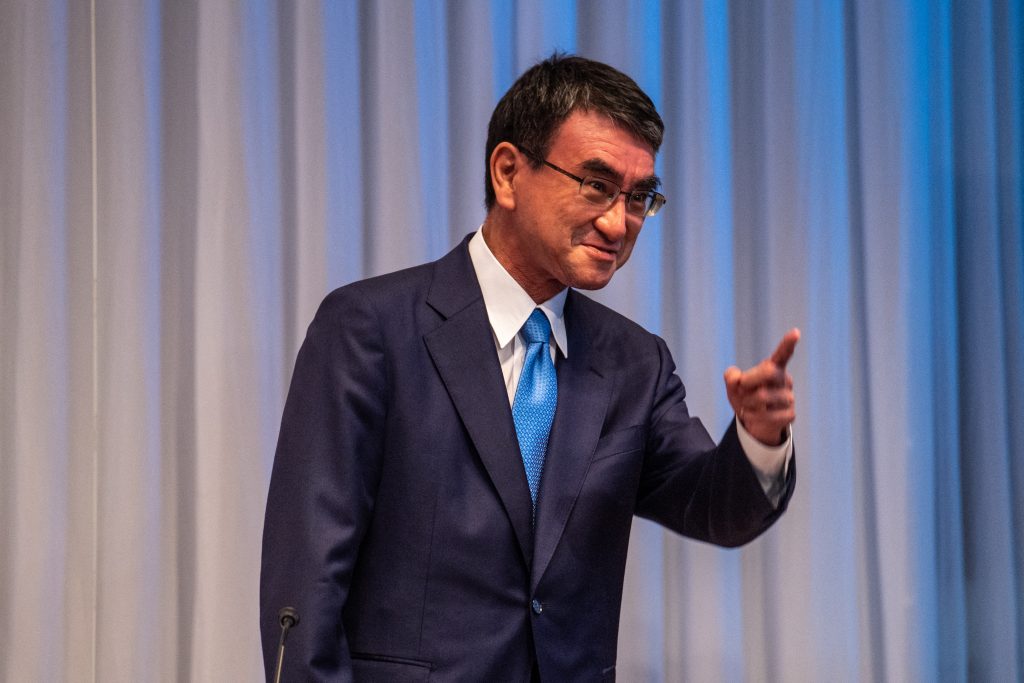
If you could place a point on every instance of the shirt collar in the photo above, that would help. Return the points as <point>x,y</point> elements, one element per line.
<point>508,305</point>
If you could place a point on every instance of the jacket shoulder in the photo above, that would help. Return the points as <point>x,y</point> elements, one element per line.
<point>443,279</point>
<point>612,332</point>
<point>380,290</point>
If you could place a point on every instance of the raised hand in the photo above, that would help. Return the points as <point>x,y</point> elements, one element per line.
<point>763,395</point>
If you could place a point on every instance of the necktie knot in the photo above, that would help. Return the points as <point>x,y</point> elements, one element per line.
<point>537,328</point>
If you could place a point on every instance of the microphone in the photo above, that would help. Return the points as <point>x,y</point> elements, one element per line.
<point>289,617</point>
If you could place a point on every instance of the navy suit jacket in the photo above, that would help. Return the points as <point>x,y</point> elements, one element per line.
<point>399,521</point>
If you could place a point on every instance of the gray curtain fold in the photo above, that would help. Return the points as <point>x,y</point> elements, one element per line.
<point>182,182</point>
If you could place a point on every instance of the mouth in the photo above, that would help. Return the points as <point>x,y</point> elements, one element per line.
<point>601,252</point>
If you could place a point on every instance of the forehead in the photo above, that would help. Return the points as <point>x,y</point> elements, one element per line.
<point>587,136</point>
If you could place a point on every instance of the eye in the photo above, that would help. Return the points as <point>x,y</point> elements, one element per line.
<point>638,200</point>
<point>601,187</point>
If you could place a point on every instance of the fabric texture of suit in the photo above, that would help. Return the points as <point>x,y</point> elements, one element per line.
<point>399,517</point>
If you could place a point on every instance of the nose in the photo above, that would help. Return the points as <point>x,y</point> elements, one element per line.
<point>612,223</point>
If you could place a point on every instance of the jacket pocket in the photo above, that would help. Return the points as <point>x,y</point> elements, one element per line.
<point>620,441</point>
<point>369,667</point>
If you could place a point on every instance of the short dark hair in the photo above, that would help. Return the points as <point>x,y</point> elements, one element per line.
<point>549,92</point>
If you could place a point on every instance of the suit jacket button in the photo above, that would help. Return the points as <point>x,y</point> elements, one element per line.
<point>537,606</point>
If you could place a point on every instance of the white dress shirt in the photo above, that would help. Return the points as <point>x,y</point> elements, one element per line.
<point>508,306</point>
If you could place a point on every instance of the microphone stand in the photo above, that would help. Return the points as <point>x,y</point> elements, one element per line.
<point>288,617</point>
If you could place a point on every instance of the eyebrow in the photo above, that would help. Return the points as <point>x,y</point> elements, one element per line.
<point>600,167</point>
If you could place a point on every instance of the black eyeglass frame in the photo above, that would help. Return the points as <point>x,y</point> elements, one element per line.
<point>653,202</point>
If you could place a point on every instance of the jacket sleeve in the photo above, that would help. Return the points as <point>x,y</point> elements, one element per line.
<point>691,485</point>
<point>325,473</point>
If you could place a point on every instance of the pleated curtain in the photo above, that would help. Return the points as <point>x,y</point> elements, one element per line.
<point>181,182</point>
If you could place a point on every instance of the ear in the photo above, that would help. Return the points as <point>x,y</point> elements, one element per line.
<point>505,164</point>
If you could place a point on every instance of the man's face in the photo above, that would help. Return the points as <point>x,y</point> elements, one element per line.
<point>566,241</point>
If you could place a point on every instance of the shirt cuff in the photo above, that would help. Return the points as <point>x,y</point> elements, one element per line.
<point>770,463</point>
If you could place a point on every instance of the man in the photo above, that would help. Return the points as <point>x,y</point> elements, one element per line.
<point>465,443</point>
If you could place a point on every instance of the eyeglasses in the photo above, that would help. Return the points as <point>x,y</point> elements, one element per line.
<point>603,192</point>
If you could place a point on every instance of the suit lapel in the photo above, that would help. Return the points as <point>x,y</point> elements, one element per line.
<point>462,349</point>
<point>583,394</point>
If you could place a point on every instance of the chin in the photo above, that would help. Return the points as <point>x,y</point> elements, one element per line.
<point>592,281</point>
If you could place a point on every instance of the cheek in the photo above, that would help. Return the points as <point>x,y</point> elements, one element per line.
<point>627,247</point>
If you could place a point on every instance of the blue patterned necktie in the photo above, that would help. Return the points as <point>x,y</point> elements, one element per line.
<point>534,406</point>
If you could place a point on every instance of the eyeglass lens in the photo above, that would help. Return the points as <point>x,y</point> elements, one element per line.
<point>601,191</point>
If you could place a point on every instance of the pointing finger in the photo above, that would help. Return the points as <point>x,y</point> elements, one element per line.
<point>786,347</point>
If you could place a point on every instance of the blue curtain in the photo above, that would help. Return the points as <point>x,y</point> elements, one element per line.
<point>182,182</point>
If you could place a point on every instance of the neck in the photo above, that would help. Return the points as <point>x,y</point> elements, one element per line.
<point>502,240</point>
